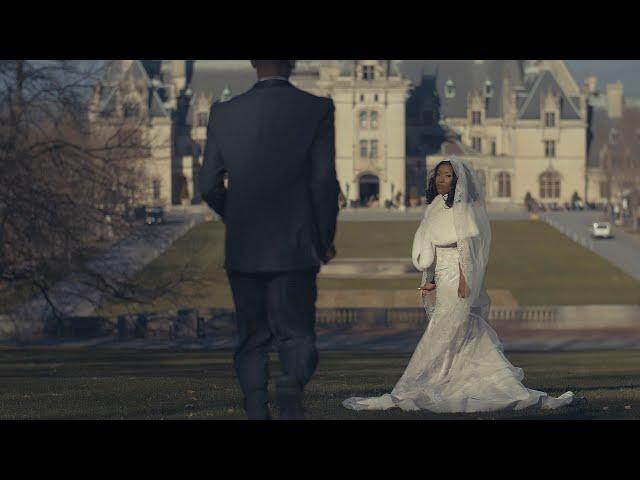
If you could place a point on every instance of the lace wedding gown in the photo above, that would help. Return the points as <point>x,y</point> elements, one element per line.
<point>458,365</point>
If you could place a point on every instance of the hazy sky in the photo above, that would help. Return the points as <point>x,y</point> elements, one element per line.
<point>627,71</point>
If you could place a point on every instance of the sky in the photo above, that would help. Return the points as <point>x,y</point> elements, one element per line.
<point>627,71</point>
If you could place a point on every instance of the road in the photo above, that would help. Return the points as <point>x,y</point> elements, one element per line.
<point>78,294</point>
<point>413,215</point>
<point>622,250</point>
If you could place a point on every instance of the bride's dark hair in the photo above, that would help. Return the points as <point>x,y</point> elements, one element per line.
<point>432,191</point>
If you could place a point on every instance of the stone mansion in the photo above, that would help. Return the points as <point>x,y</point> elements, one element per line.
<point>526,126</point>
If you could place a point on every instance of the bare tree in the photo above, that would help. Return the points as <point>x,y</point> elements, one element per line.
<point>66,184</point>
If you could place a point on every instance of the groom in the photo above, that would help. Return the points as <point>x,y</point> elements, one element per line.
<point>276,145</point>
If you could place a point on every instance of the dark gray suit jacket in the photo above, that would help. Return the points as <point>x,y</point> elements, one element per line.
<point>277,145</point>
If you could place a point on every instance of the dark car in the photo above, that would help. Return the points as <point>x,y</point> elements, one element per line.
<point>154,215</point>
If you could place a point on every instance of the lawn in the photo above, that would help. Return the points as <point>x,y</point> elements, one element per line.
<point>168,384</point>
<point>535,262</point>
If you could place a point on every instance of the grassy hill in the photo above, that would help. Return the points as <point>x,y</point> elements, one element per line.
<point>535,262</point>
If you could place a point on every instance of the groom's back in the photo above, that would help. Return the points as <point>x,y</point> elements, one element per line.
<point>265,138</point>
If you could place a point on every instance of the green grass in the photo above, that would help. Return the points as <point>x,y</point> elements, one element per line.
<point>541,266</point>
<point>535,262</point>
<point>128,384</point>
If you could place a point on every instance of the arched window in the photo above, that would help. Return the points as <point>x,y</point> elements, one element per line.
<point>549,185</point>
<point>504,185</point>
<point>363,119</point>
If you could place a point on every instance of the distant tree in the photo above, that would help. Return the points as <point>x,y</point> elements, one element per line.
<point>63,179</point>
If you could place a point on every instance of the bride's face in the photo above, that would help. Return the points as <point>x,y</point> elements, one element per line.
<point>444,179</point>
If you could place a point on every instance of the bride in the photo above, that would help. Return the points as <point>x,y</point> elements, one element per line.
<point>458,365</point>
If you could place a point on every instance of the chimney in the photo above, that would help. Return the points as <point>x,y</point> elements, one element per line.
<point>591,83</point>
<point>615,99</point>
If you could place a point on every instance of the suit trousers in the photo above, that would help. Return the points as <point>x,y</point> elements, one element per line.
<point>274,308</point>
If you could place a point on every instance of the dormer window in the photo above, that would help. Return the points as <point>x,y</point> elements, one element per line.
<point>550,119</point>
<point>488,89</point>
<point>476,118</point>
<point>449,89</point>
<point>203,119</point>
<point>226,94</point>
<point>131,110</point>
<point>368,72</point>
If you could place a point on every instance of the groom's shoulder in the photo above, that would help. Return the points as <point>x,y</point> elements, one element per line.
<point>310,97</point>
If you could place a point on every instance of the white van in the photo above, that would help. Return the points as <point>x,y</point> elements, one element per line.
<point>601,230</point>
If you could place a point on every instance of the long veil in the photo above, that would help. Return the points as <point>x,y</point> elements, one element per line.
<point>473,234</point>
<point>459,363</point>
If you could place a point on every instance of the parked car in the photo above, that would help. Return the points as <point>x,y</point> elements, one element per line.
<point>154,215</point>
<point>601,230</point>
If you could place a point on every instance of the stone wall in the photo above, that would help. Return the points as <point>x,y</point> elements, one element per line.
<point>214,322</point>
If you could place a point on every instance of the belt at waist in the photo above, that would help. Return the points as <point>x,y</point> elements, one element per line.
<point>451,245</point>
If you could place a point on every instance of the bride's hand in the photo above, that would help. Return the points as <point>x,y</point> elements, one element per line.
<point>462,287</point>
<point>427,287</point>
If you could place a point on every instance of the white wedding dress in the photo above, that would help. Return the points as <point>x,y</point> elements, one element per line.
<point>458,365</point>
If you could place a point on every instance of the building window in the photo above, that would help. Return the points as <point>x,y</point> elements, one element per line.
<point>482,179</point>
<point>156,189</point>
<point>363,148</point>
<point>476,143</point>
<point>449,89</point>
<point>361,98</point>
<point>493,147</point>
<point>613,136</point>
<point>549,185</point>
<point>476,118</point>
<point>374,148</point>
<point>604,190</point>
<point>488,88</point>
<point>549,148</point>
<point>363,119</point>
<point>504,185</point>
<point>374,119</point>
<point>368,72</point>
<point>550,119</point>
<point>131,110</point>
<point>375,97</point>
<point>203,119</point>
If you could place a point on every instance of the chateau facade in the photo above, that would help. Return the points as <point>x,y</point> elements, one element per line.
<point>523,125</point>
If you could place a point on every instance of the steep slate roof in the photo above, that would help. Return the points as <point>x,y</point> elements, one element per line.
<point>545,82</point>
<point>627,144</point>
<point>110,84</point>
<point>212,79</point>
<point>467,76</point>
